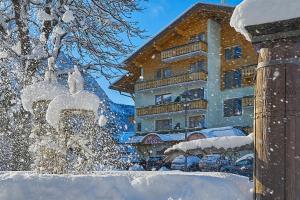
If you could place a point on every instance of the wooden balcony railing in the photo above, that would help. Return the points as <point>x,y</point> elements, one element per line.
<point>171,81</point>
<point>249,71</point>
<point>248,101</point>
<point>172,107</point>
<point>184,49</point>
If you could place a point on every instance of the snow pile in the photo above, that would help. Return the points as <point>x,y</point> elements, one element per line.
<point>125,186</point>
<point>43,90</point>
<point>227,142</point>
<point>82,100</point>
<point>254,12</point>
<point>77,99</point>
<point>212,132</point>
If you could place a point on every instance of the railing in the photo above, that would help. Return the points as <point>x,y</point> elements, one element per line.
<point>248,101</point>
<point>172,107</point>
<point>171,81</point>
<point>184,49</point>
<point>248,71</point>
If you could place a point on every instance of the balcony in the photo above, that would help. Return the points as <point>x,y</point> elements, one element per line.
<point>196,76</point>
<point>184,52</point>
<point>248,101</point>
<point>172,107</point>
<point>248,74</point>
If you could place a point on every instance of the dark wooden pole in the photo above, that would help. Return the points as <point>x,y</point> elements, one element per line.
<point>277,110</point>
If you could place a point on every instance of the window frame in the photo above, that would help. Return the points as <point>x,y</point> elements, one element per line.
<point>232,53</point>
<point>197,68</point>
<point>163,129</point>
<point>234,105</point>
<point>235,79</point>
<point>202,121</point>
<point>163,100</point>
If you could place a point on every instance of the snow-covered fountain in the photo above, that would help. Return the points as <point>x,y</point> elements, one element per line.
<point>74,115</point>
<point>46,143</point>
<point>65,128</point>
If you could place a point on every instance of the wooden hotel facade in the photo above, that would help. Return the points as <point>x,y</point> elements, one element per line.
<point>197,73</point>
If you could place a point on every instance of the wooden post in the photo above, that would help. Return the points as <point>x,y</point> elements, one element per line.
<point>277,110</point>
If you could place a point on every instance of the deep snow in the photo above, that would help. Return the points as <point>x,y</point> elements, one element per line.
<point>254,12</point>
<point>227,142</point>
<point>125,186</point>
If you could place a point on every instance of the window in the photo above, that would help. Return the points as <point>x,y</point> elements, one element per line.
<point>233,52</point>
<point>237,52</point>
<point>193,94</point>
<point>165,124</point>
<point>158,74</point>
<point>164,73</point>
<point>139,126</point>
<point>199,37</point>
<point>198,66</point>
<point>232,107</point>
<point>233,79</point>
<point>163,99</point>
<point>167,72</point>
<point>196,121</point>
<point>228,54</point>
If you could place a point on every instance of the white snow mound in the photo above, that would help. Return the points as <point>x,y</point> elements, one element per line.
<point>254,12</point>
<point>125,186</point>
<point>82,100</point>
<point>227,142</point>
<point>41,91</point>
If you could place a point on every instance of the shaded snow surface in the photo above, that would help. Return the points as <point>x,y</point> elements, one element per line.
<point>125,186</point>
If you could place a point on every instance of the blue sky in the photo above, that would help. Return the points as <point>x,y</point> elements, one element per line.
<point>157,14</point>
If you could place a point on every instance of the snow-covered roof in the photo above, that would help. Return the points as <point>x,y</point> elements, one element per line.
<point>82,100</point>
<point>222,131</point>
<point>254,12</point>
<point>226,142</point>
<point>43,90</point>
<point>213,132</point>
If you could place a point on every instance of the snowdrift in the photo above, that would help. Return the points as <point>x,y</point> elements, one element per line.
<point>124,186</point>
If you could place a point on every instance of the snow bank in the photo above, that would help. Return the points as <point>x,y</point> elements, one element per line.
<point>41,91</point>
<point>227,142</point>
<point>125,186</point>
<point>253,12</point>
<point>82,100</point>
